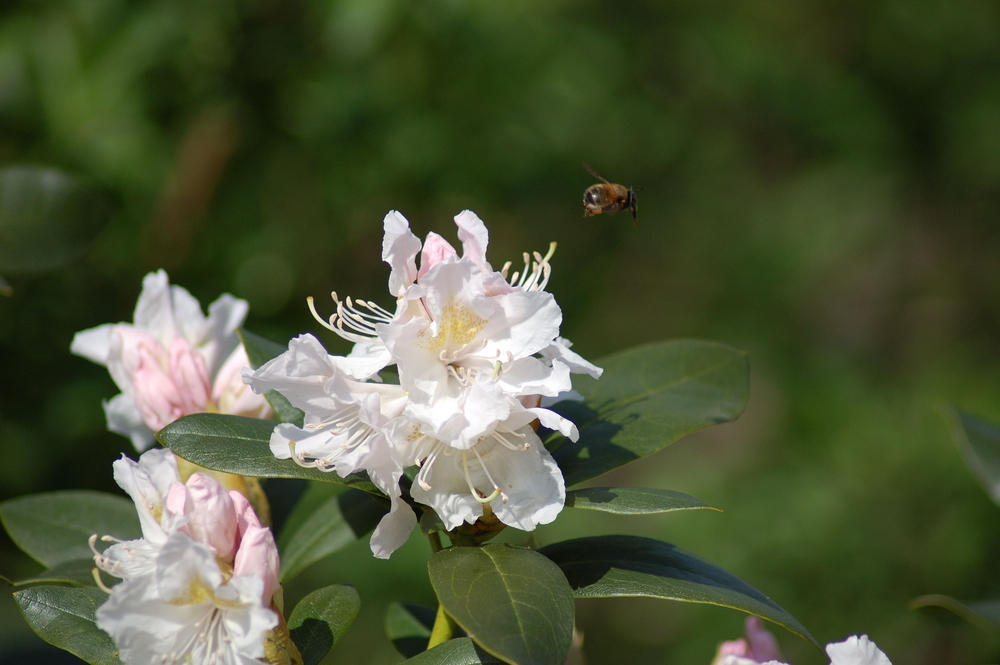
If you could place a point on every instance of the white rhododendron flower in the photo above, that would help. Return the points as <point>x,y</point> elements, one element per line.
<point>172,361</point>
<point>759,647</point>
<point>198,585</point>
<point>476,352</point>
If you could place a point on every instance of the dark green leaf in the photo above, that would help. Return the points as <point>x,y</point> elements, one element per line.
<point>617,566</point>
<point>259,351</point>
<point>77,571</point>
<point>321,619</point>
<point>979,441</point>
<point>461,651</point>
<point>985,614</point>
<point>512,601</point>
<point>648,398</point>
<point>47,218</point>
<point>409,627</point>
<point>54,527</point>
<point>239,445</point>
<point>632,500</point>
<point>315,531</point>
<point>64,616</point>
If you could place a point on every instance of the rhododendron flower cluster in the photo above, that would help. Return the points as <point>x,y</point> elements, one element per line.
<point>172,361</point>
<point>198,586</point>
<point>476,350</point>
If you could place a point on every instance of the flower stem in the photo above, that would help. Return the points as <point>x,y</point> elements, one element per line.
<point>443,628</point>
<point>435,539</point>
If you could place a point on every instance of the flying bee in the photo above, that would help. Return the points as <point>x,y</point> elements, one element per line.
<point>608,197</point>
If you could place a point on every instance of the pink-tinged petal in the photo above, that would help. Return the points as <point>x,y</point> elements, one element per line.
<point>763,645</point>
<point>436,249</point>
<point>475,238</point>
<point>212,515</point>
<point>176,501</point>
<point>399,250</point>
<point>93,344</point>
<point>738,648</point>
<point>258,555</point>
<point>156,397</point>
<point>246,518</point>
<point>130,348</point>
<point>154,311</point>
<point>234,397</point>
<point>190,376</point>
<point>856,651</point>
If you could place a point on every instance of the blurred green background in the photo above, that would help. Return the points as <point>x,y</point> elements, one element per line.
<point>822,181</point>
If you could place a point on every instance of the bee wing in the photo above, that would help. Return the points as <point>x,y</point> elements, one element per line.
<point>591,171</point>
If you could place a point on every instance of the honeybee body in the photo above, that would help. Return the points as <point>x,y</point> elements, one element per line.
<point>608,197</point>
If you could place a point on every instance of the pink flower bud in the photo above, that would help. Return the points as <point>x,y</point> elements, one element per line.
<point>155,395</point>
<point>763,645</point>
<point>257,554</point>
<point>190,376</point>
<point>212,515</point>
<point>731,648</point>
<point>436,249</point>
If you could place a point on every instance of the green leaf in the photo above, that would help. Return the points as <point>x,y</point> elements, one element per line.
<point>648,398</point>
<point>54,527</point>
<point>985,614</point>
<point>47,218</point>
<point>512,601</point>
<point>618,566</point>
<point>409,627</point>
<point>239,445</point>
<point>632,500</point>
<point>64,617</point>
<point>5,289</point>
<point>461,651</point>
<point>979,441</point>
<point>321,619</point>
<point>78,572</point>
<point>259,351</point>
<point>316,531</point>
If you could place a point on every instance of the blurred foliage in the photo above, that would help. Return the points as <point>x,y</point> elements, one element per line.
<point>821,180</point>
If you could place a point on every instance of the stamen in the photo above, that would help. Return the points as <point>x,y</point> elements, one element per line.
<point>496,488</point>
<point>99,582</point>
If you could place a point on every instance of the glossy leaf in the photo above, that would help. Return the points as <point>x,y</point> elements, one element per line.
<point>512,601</point>
<point>239,445</point>
<point>47,218</point>
<point>408,627</point>
<point>648,398</point>
<point>315,531</point>
<point>617,566</point>
<point>55,526</point>
<point>64,616</point>
<point>321,619</point>
<point>985,614</point>
<point>259,351</point>
<point>461,651</point>
<point>632,500</point>
<point>78,572</point>
<point>979,441</point>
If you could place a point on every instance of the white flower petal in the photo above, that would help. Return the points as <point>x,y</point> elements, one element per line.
<point>526,322</point>
<point>530,376</point>
<point>218,338</point>
<point>577,364</point>
<point>856,651</point>
<point>123,418</point>
<point>93,344</point>
<point>399,250</point>
<point>301,374</point>
<point>475,238</point>
<point>154,310</point>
